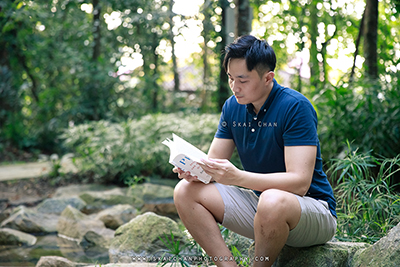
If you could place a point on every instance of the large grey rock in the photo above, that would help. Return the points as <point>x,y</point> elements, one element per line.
<point>331,254</point>
<point>157,198</point>
<point>151,193</point>
<point>30,221</point>
<point>57,205</point>
<point>165,208</point>
<point>117,215</point>
<point>77,189</point>
<point>384,253</point>
<point>241,243</point>
<point>55,261</point>
<point>86,231</point>
<point>14,237</point>
<point>140,237</point>
<point>97,201</point>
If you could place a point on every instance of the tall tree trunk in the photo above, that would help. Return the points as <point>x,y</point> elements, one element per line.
<point>371,38</point>
<point>243,18</point>
<point>223,88</point>
<point>96,29</point>
<point>207,26</point>
<point>171,39</point>
<point>314,63</point>
<point>360,34</point>
<point>154,97</point>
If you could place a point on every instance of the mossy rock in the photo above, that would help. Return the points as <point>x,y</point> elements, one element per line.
<point>141,236</point>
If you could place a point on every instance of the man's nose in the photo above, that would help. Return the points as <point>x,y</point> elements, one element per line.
<point>234,87</point>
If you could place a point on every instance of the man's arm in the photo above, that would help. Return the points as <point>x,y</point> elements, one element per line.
<point>221,149</point>
<point>299,160</point>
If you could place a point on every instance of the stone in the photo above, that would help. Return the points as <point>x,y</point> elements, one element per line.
<point>117,215</point>
<point>57,205</point>
<point>70,249</point>
<point>331,254</point>
<point>5,211</point>
<point>97,201</point>
<point>140,237</point>
<point>164,209</point>
<point>15,237</point>
<point>151,193</point>
<point>30,221</point>
<point>384,253</point>
<point>55,261</point>
<point>77,189</point>
<point>240,242</point>
<point>101,238</point>
<point>157,198</point>
<point>86,231</point>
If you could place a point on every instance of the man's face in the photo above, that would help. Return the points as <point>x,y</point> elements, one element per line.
<point>247,86</point>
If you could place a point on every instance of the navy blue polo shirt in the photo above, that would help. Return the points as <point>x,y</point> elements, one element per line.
<point>287,118</point>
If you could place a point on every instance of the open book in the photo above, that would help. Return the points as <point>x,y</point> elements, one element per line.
<point>187,157</point>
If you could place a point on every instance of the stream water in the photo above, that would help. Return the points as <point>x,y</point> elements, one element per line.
<point>50,245</point>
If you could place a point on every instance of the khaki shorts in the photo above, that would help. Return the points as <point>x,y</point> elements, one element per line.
<point>316,226</point>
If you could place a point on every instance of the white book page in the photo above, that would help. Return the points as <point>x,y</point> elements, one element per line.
<point>188,149</point>
<point>187,157</point>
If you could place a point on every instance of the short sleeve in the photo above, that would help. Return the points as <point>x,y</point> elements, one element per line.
<point>301,125</point>
<point>224,130</point>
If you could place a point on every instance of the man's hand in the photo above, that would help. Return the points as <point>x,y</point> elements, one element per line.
<point>185,175</point>
<point>221,170</point>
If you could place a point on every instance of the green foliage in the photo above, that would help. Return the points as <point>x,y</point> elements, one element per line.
<point>367,204</point>
<point>366,113</point>
<point>174,251</point>
<point>133,148</point>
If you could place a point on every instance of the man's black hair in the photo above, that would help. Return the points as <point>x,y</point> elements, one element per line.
<point>257,53</point>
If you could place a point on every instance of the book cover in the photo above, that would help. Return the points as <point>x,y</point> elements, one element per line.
<point>187,157</point>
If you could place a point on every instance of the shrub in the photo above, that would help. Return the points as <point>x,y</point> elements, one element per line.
<point>133,148</point>
<point>366,113</point>
<point>367,204</point>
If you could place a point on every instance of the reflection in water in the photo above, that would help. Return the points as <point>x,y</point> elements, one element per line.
<point>51,245</point>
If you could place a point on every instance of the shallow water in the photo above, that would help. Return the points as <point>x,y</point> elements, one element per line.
<point>51,245</point>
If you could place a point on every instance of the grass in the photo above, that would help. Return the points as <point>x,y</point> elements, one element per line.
<point>368,205</point>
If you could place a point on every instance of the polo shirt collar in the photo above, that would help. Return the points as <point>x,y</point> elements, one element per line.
<point>267,104</point>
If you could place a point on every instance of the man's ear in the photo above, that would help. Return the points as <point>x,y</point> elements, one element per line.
<point>268,77</point>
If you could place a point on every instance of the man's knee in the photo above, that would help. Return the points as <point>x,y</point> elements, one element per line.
<point>278,205</point>
<point>185,191</point>
<point>180,190</point>
<point>272,200</point>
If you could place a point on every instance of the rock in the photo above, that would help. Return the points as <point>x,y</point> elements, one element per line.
<point>240,242</point>
<point>156,198</point>
<point>384,253</point>
<point>72,250</point>
<point>57,205</point>
<point>117,215</point>
<point>55,261</point>
<point>164,209</point>
<point>97,201</point>
<point>30,221</point>
<point>86,231</point>
<point>331,254</point>
<point>100,238</point>
<point>15,237</point>
<point>151,193</point>
<point>77,189</point>
<point>4,210</point>
<point>140,237</point>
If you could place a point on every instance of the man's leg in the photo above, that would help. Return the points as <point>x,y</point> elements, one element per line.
<point>278,212</point>
<point>200,207</point>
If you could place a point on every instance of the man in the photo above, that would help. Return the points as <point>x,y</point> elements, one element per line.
<point>282,196</point>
